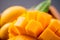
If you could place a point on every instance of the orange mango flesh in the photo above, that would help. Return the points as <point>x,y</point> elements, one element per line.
<point>48,34</point>
<point>14,21</point>
<point>11,14</point>
<point>34,28</point>
<point>34,23</point>
<point>44,18</point>
<point>20,24</point>
<point>58,33</point>
<point>23,15</point>
<point>12,31</point>
<point>4,31</point>
<point>32,14</point>
<point>22,37</point>
<point>55,26</point>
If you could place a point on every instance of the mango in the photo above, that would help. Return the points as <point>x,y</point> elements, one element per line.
<point>54,25</point>
<point>58,33</point>
<point>4,31</point>
<point>12,31</point>
<point>20,24</point>
<point>44,18</point>
<point>32,14</point>
<point>22,37</point>
<point>48,34</point>
<point>33,28</point>
<point>11,14</point>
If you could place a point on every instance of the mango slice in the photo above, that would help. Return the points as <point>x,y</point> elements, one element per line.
<point>32,14</point>
<point>34,28</point>
<point>20,24</point>
<point>11,14</point>
<point>22,37</point>
<point>48,34</point>
<point>44,18</point>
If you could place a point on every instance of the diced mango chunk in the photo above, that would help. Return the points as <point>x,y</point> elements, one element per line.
<point>22,37</point>
<point>44,18</point>
<point>20,24</point>
<point>12,31</point>
<point>48,34</point>
<point>34,28</point>
<point>32,14</point>
<point>54,25</point>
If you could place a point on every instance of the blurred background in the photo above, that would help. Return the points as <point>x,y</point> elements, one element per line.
<point>26,3</point>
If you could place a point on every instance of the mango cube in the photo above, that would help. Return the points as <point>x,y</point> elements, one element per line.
<point>48,35</point>
<point>20,24</point>
<point>34,28</point>
<point>54,25</point>
<point>44,18</point>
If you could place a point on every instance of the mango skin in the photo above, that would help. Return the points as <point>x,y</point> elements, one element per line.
<point>11,14</point>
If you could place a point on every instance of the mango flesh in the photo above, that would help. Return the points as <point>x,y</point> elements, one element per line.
<point>11,14</point>
<point>44,18</point>
<point>48,34</point>
<point>58,33</point>
<point>34,28</point>
<point>4,31</point>
<point>32,23</point>
<point>20,24</point>
<point>12,31</point>
<point>55,26</point>
<point>32,14</point>
<point>22,37</point>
